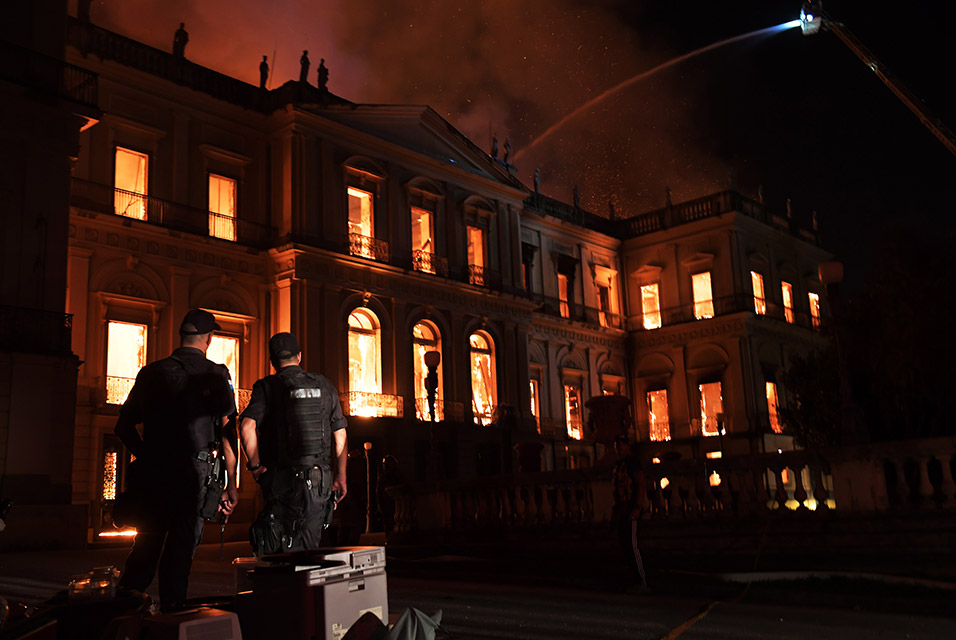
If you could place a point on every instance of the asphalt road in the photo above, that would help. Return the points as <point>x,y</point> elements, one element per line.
<point>532,607</point>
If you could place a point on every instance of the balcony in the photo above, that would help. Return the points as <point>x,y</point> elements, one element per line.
<point>374,405</point>
<point>368,247</point>
<point>430,263</point>
<point>117,389</point>
<point>728,305</point>
<point>35,331</point>
<point>444,411</point>
<point>483,277</point>
<point>100,198</point>
<point>49,76</point>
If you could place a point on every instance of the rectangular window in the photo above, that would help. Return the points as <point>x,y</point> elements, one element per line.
<point>222,207</point>
<point>711,404</point>
<point>604,305</point>
<point>360,212</point>
<point>572,410</point>
<point>651,306</point>
<point>125,356</point>
<point>563,296</point>
<point>772,407</point>
<point>476,255</point>
<point>130,179</point>
<point>814,299</point>
<point>703,296</point>
<point>225,351</point>
<point>660,429</point>
<point>423,246</point>
<point>535,404</point>
<point>787,290</point>
<point>760,300</point>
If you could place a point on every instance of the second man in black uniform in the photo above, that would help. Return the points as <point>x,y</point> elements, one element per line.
<point>293,432</point>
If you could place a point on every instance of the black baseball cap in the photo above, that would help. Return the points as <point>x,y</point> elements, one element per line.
<point>198,322</point>
<point>283,346</point>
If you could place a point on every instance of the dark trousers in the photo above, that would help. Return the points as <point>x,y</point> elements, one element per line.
<point>295,508</point>
<point>627,537</point>
<point>168,536</point>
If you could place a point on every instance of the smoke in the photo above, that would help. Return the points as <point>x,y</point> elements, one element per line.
<point>499,67</point>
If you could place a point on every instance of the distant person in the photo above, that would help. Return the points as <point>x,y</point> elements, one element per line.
<point>180,401</point>
<point>630,498</point>
<point>293,432</point>
<point>180,40</point>
<point>304,67</point>
<point>263,72</point>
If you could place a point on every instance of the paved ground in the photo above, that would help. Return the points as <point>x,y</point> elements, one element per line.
<point>495,592</point>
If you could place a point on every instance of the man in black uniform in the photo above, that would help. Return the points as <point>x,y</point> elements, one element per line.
<point>293,432</point>
<point>630,498</point>
<point>181,401</point>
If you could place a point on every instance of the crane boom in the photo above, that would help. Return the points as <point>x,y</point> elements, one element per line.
<point>813,18</point>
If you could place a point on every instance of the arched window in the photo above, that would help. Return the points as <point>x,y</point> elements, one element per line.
<point>426,338</point>
<point>365,360</point>
<point>484,392</point>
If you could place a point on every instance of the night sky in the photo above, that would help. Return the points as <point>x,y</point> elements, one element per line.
<point>799,116</point>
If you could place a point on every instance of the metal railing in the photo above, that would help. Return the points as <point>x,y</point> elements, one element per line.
<point>430,263</point>
<point>729,305</point>
<point>118,388</point>
<point>368,247</point>
<point>242,399</point>
<point>483,277</point>
<point>48,75</point>
<point>35,331</point>
<point>101,198</point>
<point>368,404</point>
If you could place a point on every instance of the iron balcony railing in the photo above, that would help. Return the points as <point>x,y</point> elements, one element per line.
<point>48,75</point>
<point>368,247</point>
<point>729,305</point>
<point>35,331</point>
<point>483,277</point>
<point>430,263</point>
<point>444,411</point>
<point>368,404</point>
<point>118,388</point>
<point>101,198</point>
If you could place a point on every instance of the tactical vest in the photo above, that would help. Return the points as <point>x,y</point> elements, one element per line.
<point>300,432</point>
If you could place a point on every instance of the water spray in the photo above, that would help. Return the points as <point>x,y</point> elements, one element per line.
<point>645,74</point>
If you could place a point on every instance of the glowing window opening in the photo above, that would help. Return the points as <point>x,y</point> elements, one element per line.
<point>425,338</point>
<point>224,350</point>
<point>563,295</point>
<point>787,290</point>
<point>572,411</point>
<point>361,212</point>
<point>760,300</point>
<point>110,466</point>
<point>130,178</point>
<point>535,404</point>
<point>365,361</point>
<point>422,237</point>
<point>483,382</point>
<point>714,454</point>
<point>125,356</point>
<point>222,207</point>
<point>476,247</point>
<point>703,296</point>
<point>604,304</point>
<point>660,429</point>
<point>651,306</point>
<point>772,407</point>
<point>711,404</point>
<point>814,299</point>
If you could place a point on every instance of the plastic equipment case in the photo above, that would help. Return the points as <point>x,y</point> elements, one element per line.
<point>316,594</point>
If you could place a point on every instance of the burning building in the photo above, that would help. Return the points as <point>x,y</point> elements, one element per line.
<point>381,237</point>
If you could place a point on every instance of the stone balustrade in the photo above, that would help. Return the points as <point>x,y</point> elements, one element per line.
<point>863,480</point>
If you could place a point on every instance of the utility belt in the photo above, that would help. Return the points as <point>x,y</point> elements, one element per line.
<point>313,476</point>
